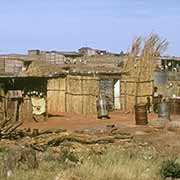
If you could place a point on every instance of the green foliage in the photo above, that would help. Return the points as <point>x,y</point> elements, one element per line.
<point>170,169</point>
<point>3,150</point>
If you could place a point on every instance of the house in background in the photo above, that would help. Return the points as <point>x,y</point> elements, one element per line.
<point>54,57</point>
<point>167,76</point>
<point>87,51</point>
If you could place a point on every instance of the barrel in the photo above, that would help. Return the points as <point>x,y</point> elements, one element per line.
<point>175,105</point>
<point>141,114</point>
<point>164,110</point>
<point>102,109</point>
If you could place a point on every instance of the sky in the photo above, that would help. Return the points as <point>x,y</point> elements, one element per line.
<point>70,24</point>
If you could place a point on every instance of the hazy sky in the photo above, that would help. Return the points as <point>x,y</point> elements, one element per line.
<point>71,24</point>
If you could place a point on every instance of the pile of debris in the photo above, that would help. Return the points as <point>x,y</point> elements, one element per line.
<point>8,129</point>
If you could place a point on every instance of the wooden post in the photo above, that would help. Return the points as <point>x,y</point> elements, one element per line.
<point>137,86</point>
<point>82,98</point>
<point>46,101</point>
<point>2,109</point>
<point>125,94</point>
<point>15,110</point>
<point>66,81</point>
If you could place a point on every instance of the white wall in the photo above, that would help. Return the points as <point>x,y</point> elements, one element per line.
<point>117,95</point>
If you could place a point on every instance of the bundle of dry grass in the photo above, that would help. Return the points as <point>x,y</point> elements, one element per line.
<point>140,67</point>
<point>142,55</point>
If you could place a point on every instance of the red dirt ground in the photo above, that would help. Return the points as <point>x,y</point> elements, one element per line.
<point>161,139</point>
<point>78,122</point>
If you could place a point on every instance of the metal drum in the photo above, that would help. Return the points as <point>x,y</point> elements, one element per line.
<point>164,110</point>
<point>141,114</point>
<point>102,110</point>
<point>175,105</point>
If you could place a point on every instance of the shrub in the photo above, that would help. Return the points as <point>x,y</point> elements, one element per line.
<point>170,169</point>
<point>68,155</point>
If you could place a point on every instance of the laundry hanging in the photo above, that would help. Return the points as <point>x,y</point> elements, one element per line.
<point>38,105</point>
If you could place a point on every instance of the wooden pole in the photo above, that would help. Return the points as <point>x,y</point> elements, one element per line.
<point>125,96</point>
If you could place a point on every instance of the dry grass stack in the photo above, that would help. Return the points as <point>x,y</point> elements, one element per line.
<point>137,85</point>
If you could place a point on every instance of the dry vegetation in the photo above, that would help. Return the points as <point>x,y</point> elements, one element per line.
<point>115,163</point>
<point>139,67</point>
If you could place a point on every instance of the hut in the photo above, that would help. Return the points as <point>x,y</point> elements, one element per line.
<point>19,96</point>
<point>15,88</point>
<point>40,87</point>
<point>75,88</point>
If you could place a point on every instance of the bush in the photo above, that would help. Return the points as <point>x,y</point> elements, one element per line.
<point>170,169</point>
<point>68,155</point>
<point>61,156</point>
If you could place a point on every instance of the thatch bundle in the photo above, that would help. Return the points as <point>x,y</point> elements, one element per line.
<point>140,67</point>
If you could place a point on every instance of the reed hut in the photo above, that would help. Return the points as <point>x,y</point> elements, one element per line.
<point>16,99</point>
<point>75,88</point>
<point>138,82</point>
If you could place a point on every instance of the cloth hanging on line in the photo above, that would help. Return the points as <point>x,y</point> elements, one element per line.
<point>15,94</point>
<point>38,105</point>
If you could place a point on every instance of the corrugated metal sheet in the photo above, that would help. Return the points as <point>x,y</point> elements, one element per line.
<point>160,78</point>
<point>107,91</point>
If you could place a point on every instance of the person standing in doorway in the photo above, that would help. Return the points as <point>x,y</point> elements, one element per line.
<point>155,99</point>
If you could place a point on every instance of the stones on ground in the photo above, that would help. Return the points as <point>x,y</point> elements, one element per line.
<point>64,176</point>
<point>173,126</point>
<point>160,123</point>
<point>139,133</point>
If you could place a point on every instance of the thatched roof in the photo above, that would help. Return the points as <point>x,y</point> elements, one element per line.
<point>45,69</point>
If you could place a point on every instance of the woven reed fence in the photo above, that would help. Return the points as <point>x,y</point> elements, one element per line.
<point>75,94</point>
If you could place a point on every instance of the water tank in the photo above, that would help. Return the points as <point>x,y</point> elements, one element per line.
<point>160,78</point>
<point>164,110</point>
